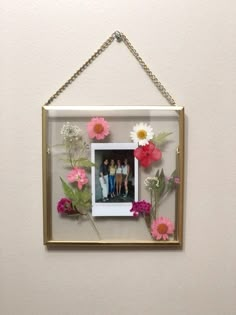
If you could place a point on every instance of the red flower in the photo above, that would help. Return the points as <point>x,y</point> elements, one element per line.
<point>147,154</point>
<point>64,205</point>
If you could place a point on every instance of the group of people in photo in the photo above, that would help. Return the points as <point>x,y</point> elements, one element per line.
<point>113,178</point>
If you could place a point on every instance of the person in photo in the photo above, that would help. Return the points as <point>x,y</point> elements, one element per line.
<point>103,179</point>
<point>125,176</point>
<point>111,176</point>
<point>118,177</point>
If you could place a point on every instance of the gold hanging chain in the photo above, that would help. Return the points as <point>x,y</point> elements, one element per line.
<point>119,37</point>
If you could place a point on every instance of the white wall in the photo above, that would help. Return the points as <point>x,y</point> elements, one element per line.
<point>190,46</point>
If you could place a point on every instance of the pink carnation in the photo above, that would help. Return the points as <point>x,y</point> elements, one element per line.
<point>64,205</point>
<point>98,128</point>
<point>78,175</point>
<point>162,228</point>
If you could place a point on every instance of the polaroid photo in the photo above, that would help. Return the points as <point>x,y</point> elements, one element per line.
<point>114,178</point>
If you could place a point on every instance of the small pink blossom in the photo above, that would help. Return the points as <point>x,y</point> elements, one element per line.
<point>140,207</point>
<point>78,175</point>
<point>162,228</point>
<point>98,128</point>
<point>177,180</point>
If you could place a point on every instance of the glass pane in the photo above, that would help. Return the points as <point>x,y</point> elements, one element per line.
<point>88,194</point>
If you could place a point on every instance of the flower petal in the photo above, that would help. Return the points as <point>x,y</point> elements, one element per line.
<point>156,155</point>
<point>138,153</point>
<point>165,237</point>
<point>146,161</point>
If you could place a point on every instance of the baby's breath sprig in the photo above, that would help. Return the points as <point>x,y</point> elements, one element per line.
<point>71,133</point>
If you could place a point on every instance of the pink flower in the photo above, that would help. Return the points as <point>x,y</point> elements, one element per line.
<point>162,228</point>
<point>140,207</point>
<point>147,154</point>
<point>78,175</point>
<point>172,179</point>
<point>177,180</point>
<point>98,128</point>
<point>64,205</point>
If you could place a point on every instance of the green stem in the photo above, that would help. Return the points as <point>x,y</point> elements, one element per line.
<point>155,204</point>
<point>70,157</point>
<point>94,226</point>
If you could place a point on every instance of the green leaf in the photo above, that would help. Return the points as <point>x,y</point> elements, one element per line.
<point>162,182</point>
<point>65,160</point>
<point>174,173</point>
<point>83,162</point>
<point>161,138</point>
<point>74,204</point>
<point>83,198</point>
<point>84,194</point>
<point>82,206</point>
<point>68,191</point>
<point>157,173</point>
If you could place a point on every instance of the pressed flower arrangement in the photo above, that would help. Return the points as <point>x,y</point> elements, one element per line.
<point>86,178</point>
<point>159,185</point>
<point>78,201</point>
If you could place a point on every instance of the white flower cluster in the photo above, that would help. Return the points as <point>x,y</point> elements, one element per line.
<point>70,132</point>
<point>152,182</point>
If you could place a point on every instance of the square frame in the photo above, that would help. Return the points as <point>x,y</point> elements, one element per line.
<point>51,115</point>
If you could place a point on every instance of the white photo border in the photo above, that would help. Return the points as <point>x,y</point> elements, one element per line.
<point>118,208</point>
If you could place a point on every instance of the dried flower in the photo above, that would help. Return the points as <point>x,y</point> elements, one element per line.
<point>173,180</point>
<point>70,132</point>
<point>64,205</point>
<point>98,128</point>
<point>142,133</point>
<point>140,207</point>
<point>152,183</point>
<point>162,228</point>
<point>78,175</point>
<point>177,180</point>
<point>147,154</point>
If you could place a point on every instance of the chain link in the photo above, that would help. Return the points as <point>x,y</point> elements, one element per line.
<point>154,79</point>
<point>119,37</point>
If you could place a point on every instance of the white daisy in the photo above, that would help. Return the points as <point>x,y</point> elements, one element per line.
<point>141,133</point>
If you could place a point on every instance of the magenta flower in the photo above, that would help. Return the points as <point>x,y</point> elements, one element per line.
<point>140,207</point>
<point>64,205</point>
<point>147,154</point>
<point>98,128</point>
<point>177,180</point>
<point>78,175</point>
<point>162,228</point>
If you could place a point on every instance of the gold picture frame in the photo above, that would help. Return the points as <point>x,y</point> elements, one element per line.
<point>65,224</point>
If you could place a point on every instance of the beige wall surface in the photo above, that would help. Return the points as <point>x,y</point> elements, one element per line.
<point>191,47</point>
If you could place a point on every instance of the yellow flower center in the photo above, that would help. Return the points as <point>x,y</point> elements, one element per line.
<point>142,134</point>
<point>162,228</point>
<point>98,128</point>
